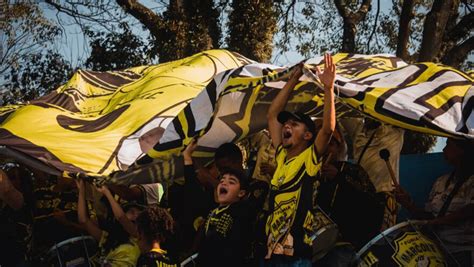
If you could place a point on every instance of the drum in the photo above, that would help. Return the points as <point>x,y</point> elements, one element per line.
<point>404,244</point>
<point>189,262</point>
<point>325,234</point>
<point>75,251</point>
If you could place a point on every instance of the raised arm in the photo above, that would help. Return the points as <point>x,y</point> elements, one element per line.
<point>327,78</point>
<point>126,192</point>
<point>82,215</point>
<point>279,103</point>
<point>119,214</point>
<point>188,152</point>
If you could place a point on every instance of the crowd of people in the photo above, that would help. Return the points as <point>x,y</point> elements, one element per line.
<point>226,215</point>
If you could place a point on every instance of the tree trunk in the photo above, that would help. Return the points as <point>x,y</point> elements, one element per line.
<point>186,28</point>
<point>252,25</point>
<point>404,29</point>
<point>351,19</point>
<point>203,31</point>
<point>434,28</point>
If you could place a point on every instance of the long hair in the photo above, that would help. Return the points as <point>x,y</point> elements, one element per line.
<point>155,224</point>
<point>116,236</point>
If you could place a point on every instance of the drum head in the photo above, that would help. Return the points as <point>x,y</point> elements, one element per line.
<point>404,244</point>
<point>325,240</point>
<point>72,252</point>
<point>190,261</point>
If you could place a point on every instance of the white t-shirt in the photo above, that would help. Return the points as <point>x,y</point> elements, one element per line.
<point>460,236</point>
<point>152,193</point>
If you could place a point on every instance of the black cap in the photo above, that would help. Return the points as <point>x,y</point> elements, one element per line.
<point>284,116</point>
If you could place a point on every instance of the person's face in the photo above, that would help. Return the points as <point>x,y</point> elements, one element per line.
<point>132,214</point>
<point>452,152</point>
<point>294,133</point>
<point>228,190</point>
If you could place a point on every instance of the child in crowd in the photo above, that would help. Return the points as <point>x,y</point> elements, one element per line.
<point>199,186</point>
<point>227,229</point>
<point>154,225</point>
<point>116,243</point>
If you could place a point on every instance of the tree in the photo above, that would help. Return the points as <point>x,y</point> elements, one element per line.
<point>38,75</point>
<point>113,51</point>
<point>24,32</point>
<point>181,28</point>
<point>248,33</point>
<point>351,19</point>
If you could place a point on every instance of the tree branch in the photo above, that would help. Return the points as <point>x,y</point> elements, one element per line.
<point>152,21</point>
<point>462,28</point>
<point>434,28</point>
<point>375,26</point>
<point>456,56</point>
<point>351,20</point>
<point>341,8</point>
<point>404,29</point>
<point>363,10</point>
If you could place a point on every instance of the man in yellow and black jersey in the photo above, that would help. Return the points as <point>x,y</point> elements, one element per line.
<point>290,222</point>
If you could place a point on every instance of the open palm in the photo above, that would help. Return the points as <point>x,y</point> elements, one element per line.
<point>328,76</point>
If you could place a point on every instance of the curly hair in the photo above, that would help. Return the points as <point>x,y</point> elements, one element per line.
<point>155,224</point>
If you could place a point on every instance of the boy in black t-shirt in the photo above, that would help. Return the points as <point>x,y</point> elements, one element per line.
<point>227,230</point>
<point>154,224</point>
<point>228,227</point>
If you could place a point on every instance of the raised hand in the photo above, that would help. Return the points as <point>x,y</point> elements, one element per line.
<point>296,72</point>
<point>103,189</point>
<point>328,76</point>
<point>79,184</point>
<point>188,151</point>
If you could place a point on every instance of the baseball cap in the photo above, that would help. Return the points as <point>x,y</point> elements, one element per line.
<point>284,116</point>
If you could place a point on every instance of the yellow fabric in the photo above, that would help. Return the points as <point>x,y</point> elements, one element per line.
<point>124,255</point>
<point>89,122</point>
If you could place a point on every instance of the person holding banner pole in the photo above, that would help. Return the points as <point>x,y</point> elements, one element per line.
<point>298,152</point>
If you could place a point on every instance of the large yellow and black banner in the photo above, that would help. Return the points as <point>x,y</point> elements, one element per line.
<point>99,123</point>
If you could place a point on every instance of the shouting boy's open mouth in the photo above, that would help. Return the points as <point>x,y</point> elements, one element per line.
<point>222,190</point>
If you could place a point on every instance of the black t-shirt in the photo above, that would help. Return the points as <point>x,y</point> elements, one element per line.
<point>189,202</point>
<point>355,208</point>
<point>47,229</point>
<point>227,234</point>
<point>155,259</point>
<point>15,234</point>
